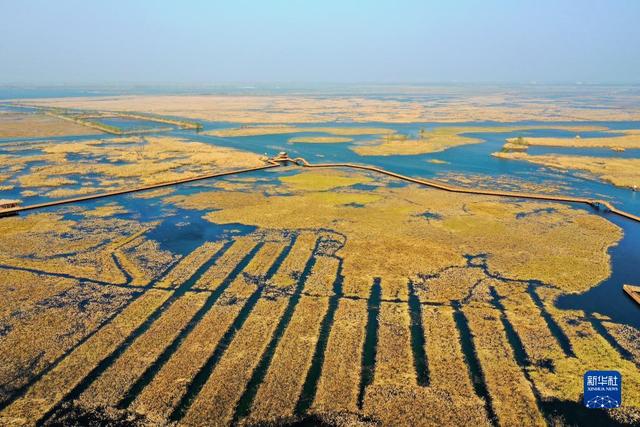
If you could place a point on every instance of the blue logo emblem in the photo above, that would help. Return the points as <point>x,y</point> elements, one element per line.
<point>602,389</point>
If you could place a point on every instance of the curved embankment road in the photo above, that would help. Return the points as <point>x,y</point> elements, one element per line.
<point>284,159</point>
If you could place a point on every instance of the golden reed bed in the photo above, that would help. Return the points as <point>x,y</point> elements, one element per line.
<point>276,325</point>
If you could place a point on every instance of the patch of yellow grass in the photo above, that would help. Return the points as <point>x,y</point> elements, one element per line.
<point>541,346</point>
<point>40,181</point>
<point>436,140</point>
<point>213,277</point>
<point>291,269</point>
<point>394,360</point>
<point>29,193</point>
<point>42,317</point>
<point>124,163</point>
<point>319,140</point>
<point>512,396</point>
<point>322,181</point>
<point>395,395</point>
<point>216,401</point>
<point>618,171</point>
<point>112,385</point>
<point>627,336</point>
<point>154,193</point>
<point>281,387</point>
<point>39,399</point>
<point>448,371</point>
<point>320,281</point>
<point>390,230</point>
<point>630,139</point>
<point>188,264</point>
<point>64,193</point>
<point>38,240</point>
<point>568,261</point>
<point>441,104</point>
<point>105,211</point>
<point>29,125</point>
<point>340,379</point>
<point>164,392</point>
<point>453,284</point>
<point>144,260</point>
<point>511,147</point>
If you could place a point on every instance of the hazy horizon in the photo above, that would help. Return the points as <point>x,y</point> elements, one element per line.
<point>353,42</point>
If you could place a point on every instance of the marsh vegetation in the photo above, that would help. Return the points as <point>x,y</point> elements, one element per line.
<point>617,171</point>
<point>409,104</point>
<point>315,311</point>
<point>295,295</point>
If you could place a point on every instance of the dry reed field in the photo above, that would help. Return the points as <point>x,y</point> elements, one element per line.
<point>317,312</point>
<point>29,125</point>
<point>419,104</point>
<point>93,165</point>
<point>319,213</point>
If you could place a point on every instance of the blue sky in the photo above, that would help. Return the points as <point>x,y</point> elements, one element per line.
<point>195,42</point>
